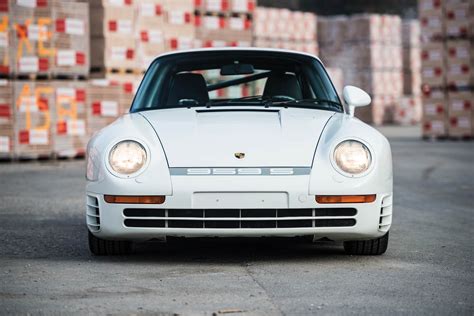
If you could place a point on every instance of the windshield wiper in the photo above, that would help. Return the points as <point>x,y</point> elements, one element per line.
<point>255,99</point>
<point>324,103</point>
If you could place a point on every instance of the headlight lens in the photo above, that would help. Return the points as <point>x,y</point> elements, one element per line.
<point>352,157</point>
<point>127,157</point>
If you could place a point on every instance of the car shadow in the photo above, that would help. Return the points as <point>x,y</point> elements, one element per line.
<point>66,239</point>
<point>235,250</point>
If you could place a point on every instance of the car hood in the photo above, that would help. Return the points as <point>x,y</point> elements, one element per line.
<point>211,137</point>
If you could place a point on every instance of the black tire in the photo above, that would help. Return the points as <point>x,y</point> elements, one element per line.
<point>373,247</point>
<point>101,247</point>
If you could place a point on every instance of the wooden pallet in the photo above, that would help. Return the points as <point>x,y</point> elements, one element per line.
<point>74,77</point>
<point>112,70</point>
<point>31,77</point>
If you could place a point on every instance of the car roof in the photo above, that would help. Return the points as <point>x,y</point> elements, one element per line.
<point>239,49</point>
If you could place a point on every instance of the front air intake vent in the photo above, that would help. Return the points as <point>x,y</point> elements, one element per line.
<point>93,213</point>
<point>239,218</point>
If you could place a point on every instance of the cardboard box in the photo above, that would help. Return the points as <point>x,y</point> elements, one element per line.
<point>31,39</point>
<point>6,120</point>
<point>433,53</point>
<point>129,84</point>
<point>408,111</point>
<point>150,14</point>
<point>459,75</point>
<point>5,33</point>
<point>431,27</point>
<point>71,39</point>
<point>34,102</point>
<point>435,105</point>
<point>434,127</point>
<point>460,125</point>
<point>243,6</point>
<point>103,104</point>
<point>460,103</point>
<point>113,22</point>
<point>238,28</point>
<point>433,75</point>
<point>283,24</point>
<point>113,53</point>
<point>430,7</point>
<point>459,51</point>
<point>69,118</point>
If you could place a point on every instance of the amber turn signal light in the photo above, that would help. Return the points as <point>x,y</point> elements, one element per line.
<point>135,199</point>
<point>329,199</point>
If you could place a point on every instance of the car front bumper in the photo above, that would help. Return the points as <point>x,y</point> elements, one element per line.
<point>238,207</point>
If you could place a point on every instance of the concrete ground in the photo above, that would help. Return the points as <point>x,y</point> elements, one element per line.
<point>46,268</point>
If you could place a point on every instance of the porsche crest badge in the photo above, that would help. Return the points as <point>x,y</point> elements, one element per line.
<point>239,155</point>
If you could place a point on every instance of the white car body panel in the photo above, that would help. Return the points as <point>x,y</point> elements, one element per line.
<point>204,138</point>
<point>295,139</point>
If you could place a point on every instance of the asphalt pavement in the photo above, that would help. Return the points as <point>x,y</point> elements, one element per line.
<point>46,267</point>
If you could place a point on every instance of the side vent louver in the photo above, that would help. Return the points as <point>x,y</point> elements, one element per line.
<point>93,213</point>
<point>386,213</point>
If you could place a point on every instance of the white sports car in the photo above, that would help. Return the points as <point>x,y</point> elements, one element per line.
<point>239,143</point>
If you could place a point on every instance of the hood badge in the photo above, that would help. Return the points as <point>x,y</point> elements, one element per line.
<point>239,155</point>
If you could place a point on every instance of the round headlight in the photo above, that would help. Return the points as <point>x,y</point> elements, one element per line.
<point>352,157</point>
<point>127,157</point>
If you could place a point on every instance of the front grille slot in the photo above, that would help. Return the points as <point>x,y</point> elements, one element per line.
<point>144,212</point>
<point>335,212</point>
<point>186,213</point>
<point>144,223</point>
<point>258,213</point>
<point>240,218</point>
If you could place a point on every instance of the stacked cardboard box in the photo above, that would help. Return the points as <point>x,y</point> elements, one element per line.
<point>6,120</point>
<point>149,31</point>
<point>368,49</point>
<point>103,104</point>
<point>4,39</point>
<point>408,109</point>
<point>337,78</point>
<point>44,38</point>
<point>220,25</point>
<point>166,25</point>
<point>129,84</point>
<point>411,61</point>
<point>69,119</point>
<point>282,28</point>
<point>71,39</point>
<point>31,38</point>
<point>32,115</point>
<point>112,31</point>
<point>447,67</point>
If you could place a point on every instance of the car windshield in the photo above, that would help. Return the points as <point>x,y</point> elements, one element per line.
<point>236,78</point>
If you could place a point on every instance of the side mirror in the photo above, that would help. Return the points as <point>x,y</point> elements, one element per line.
<point>355,97</point>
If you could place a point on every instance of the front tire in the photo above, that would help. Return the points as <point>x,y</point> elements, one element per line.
<point>102,247</point>
<point>373,247</point>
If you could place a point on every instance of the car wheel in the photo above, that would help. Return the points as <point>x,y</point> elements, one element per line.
<point>102,247</point>
<point>371,247</point>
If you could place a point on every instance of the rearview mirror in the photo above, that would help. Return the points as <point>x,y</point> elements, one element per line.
<point>237,69</point>
<point>355,97</point>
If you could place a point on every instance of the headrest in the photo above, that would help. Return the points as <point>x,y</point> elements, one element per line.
<point>188,86</point>
<point>282,84</point>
